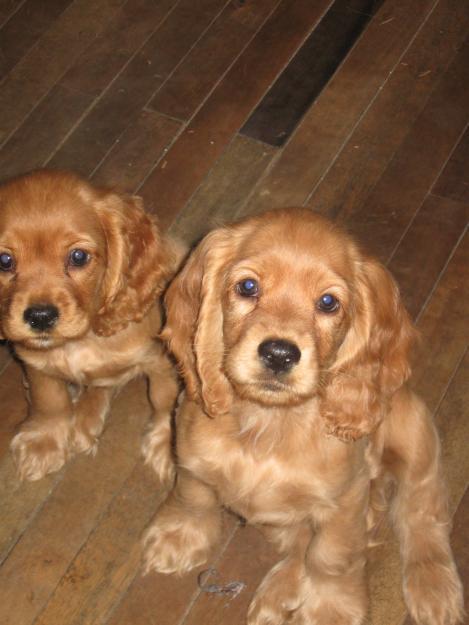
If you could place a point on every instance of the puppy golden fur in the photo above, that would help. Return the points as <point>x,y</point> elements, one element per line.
<point>296,416</point>
<point>81,269</point>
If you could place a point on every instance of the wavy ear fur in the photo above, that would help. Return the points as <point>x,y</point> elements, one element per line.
<point>373,361</point>
<point>139,262</point>
<point>194,323</point>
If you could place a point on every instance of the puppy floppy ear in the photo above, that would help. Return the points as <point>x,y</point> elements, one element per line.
<point>194,323</point>
<point>139,262</point>
<point>373,361</point>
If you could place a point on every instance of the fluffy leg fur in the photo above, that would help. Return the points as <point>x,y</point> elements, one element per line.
<point>157,445</point>
<point>43,443</point>
<point>432,588</point>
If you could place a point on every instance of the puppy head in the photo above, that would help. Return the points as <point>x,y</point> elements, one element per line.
<point>282,307</point>
<point>73,258</point>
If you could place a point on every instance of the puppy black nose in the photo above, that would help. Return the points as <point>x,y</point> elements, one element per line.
<point>41,318</point>
<point>279,355</point>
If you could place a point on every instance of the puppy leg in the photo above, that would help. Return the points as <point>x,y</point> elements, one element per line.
<point>42,445</point>
<point>432,588</point>
<point>163,391</point>
<point>334,587</point>
<point>281,592</point>
<point>90,412</point>
<point>186,527</point>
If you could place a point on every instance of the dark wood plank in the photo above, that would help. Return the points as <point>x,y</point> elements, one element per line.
<point>57,50</point>
<point>373,143</point>
<point>8,8</point>
<point>425,248</point>
<point>380,220</point>
<point>222,192</point>
<point>37,138</point>
<point>194,78</point>
<point>24,28</point>
<point>121,103</point>
<point>443,323</point>
<point>102,61</point>
<point>328,123</point>
<point>136,151</point>
<point>308,72</point>
<point>42,554</point>
<point>12,400</point>
<point>168,188</point>
<point>454,179</point>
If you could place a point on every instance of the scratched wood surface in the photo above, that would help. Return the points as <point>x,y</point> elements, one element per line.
<point>211,110</point>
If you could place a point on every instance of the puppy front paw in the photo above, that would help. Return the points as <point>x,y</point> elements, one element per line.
<point>278,597</point>
<point>178,542</point>
<point>40,448</point>
<point>156,450</point>
<point>433,593</point>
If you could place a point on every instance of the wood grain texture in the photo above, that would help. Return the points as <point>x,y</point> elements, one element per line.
<point>210,58</point>
<point>223,191</point>
<point>308,72</point>
<point>409,176</point>
<point>57,49</point>
<point>136,151</point>
<point>119,106</point>
<point>454,179</point>
<point>329,122</point>
<point>23,29</point>
<point>173,182</point>
<point>66,518</point>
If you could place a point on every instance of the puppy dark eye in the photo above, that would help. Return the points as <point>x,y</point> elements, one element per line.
<point>78,257</point>
<point>328,303</point>
<point>6,261</point>
<point>248,287</point>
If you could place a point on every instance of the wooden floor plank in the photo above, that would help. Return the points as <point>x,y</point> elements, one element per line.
<point>166,599</point>
<point>443,323</point>
<point>194,78</point>
<point>8,8</point>
<point>28,83</point>
<point>327,125</point>
<point>247,559</point>
<point>120,105</point>
<point>454,179</point>
<point>372,145</point>
<point>222,192</point>
<point>24,28</point>
<point>37,138</point>
<point>13,402</point>
<point>417,163</point>
<point>110,559</point>
<point>168,188</point>
<point>101,62</point>
<point>423,251</point>
<point>43,553</point>
<point>308,72</point>
<point>136,151</point>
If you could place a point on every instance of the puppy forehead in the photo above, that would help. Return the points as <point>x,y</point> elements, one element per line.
<point>298,247</point>
<point>50,207</point>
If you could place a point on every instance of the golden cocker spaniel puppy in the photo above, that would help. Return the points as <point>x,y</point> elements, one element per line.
<point>294,347</point>
<point>81,269</point>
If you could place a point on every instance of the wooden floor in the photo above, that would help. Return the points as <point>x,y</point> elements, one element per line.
<point>211,110</point>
